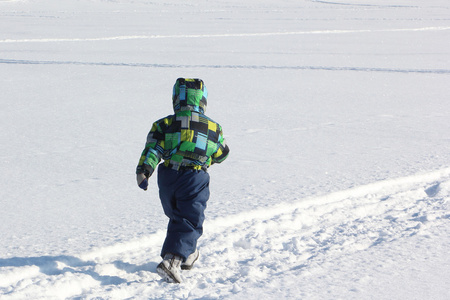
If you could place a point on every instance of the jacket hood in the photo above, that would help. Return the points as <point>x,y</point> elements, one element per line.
<point>189,94</point>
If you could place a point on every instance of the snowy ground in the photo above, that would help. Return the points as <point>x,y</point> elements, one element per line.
<point>336,112</point>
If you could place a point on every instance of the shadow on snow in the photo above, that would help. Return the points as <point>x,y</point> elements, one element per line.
<point>58,265</point>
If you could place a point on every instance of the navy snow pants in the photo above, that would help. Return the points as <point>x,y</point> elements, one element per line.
<point>183,197</point>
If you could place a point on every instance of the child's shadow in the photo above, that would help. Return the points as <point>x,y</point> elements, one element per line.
<point>130,268</point>
<point>58,265</point>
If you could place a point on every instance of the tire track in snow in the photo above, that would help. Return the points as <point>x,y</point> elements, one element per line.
<point>224,35</point>
<point>247,249</point>
<point>256,67</point>
<point>364,4</point>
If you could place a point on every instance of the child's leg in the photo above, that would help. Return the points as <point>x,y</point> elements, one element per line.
<point>183,196</point>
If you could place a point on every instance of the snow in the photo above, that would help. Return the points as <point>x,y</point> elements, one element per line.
<point>337,117</point>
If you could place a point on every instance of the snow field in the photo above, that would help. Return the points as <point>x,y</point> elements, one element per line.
<point>261,249</point>
<point>336,113</point>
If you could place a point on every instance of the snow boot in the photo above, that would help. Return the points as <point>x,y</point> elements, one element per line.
<point>187,265</point>
<point>169,269</point>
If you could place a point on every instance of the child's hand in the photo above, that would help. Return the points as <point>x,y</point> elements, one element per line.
<point>142,181</point>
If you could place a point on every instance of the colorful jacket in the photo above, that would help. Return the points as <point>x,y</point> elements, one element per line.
<point>186,139</point>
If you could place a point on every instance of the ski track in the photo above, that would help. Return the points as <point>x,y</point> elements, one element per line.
<point>246,249</point>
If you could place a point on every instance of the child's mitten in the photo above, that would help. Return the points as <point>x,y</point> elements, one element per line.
<point>142,181</point>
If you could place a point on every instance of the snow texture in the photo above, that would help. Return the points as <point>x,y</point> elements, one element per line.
<point>336,113</point>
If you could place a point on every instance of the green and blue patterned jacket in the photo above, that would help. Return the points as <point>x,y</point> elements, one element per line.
<point>187,139</point>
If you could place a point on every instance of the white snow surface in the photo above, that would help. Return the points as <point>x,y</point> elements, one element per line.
<point>336,113</point>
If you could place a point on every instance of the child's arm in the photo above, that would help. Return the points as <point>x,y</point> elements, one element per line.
<point>222,150</point>
<point>151,155</point>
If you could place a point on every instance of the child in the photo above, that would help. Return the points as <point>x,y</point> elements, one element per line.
<point>188,142</point>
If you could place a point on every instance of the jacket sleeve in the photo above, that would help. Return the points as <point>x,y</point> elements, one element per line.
<point>222,150</point>
<point>153,151</point>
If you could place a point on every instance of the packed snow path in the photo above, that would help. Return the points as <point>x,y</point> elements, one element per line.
<point>285,249</point>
